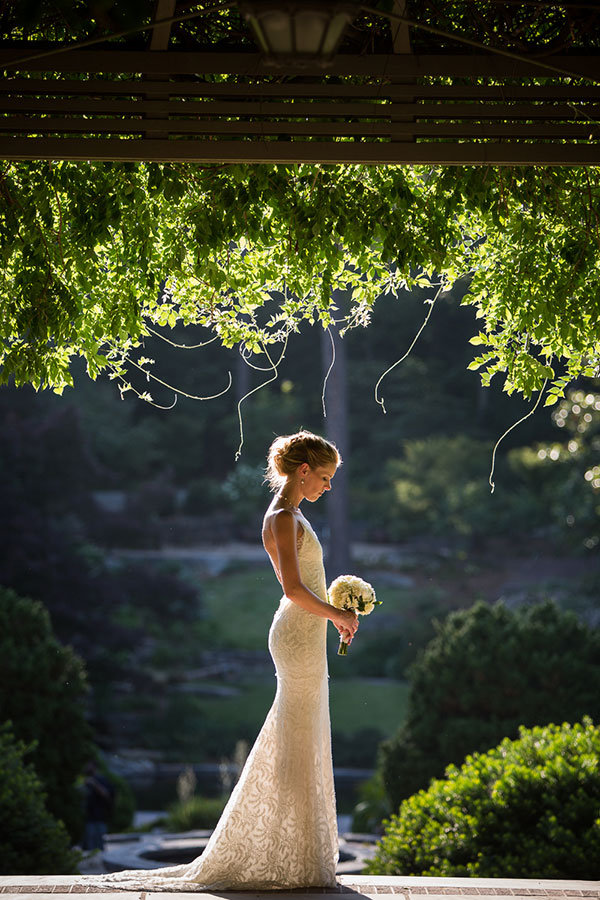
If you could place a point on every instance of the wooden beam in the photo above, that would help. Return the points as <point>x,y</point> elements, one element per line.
<point>400,31</point>
<point>163,9</point>
<point>379,65</point>
<point>287,152</point>
<point>159,41</point>
<point>401,44</point>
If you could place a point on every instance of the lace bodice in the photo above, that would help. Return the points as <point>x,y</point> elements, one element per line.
<point>310,559</point>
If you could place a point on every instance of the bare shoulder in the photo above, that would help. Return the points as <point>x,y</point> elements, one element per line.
<point>280,522</point>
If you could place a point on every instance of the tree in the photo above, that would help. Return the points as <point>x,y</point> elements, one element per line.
<point>32,842</point>
<point>529,805</point>
<point>97,255</point>
<point>43,690</point>
<point>486,672</point>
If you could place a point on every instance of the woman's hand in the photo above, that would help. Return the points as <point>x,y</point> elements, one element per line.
<point>346,622</point>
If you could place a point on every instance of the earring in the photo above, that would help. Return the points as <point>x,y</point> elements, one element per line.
<point>302,481</point>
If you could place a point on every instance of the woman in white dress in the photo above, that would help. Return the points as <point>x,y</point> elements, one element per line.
<point>279,828</point>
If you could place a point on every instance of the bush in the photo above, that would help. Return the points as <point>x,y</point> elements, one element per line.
<point>32,842</point>
<point>43,688</point>
<point>529,806</point>
<point>486,672</point>
<point>195,812</point>
<point>372,806</point>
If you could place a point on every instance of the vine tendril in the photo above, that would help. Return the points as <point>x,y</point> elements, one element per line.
<point>328,372</point>
<point>178,390</point>
<point>508,430</point>
<point>274,367</point>
<point>402,358</point>
<point>182,346</point>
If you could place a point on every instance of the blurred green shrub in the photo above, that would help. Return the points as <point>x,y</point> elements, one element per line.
<point>440,486</point>
<point>529,807</point>
<point>487,671</point>
<point>194,812</point>
<point>372,807</point>
<point>43,690</point>
<point>32,841</point>
<point>566,473</point>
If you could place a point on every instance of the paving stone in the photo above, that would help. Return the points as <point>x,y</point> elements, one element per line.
<point>365,886</point>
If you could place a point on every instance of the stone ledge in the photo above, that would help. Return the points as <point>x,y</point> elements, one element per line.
<point>365,885</point>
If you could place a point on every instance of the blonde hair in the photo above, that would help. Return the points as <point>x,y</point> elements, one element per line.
<point>288,452</point>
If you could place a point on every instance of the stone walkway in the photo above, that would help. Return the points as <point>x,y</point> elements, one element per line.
<point>369,886</point>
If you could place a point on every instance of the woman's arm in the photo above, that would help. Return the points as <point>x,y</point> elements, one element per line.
<point>284,528</point>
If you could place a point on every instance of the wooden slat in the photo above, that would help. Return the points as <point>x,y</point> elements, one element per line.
<point>544,131</point>
<point>91,106</point>
<point>296,109</point>
<point>379,65</point>
<point>287,152</point>
<point>96,86</point>
<point>24,124</point>
<point>99,87</point>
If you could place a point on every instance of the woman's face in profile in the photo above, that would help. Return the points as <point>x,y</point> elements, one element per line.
<point>317,481</point>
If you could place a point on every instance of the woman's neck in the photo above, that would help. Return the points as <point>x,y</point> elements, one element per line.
<point>290,496</point>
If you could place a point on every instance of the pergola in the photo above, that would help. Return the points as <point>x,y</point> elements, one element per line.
<point>520,87</point>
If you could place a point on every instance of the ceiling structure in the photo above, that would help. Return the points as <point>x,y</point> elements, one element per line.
<point>429,81</point>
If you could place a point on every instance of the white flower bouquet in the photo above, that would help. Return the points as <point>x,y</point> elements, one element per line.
<point>351,592</point>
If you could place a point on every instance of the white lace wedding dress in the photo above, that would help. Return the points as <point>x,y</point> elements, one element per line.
<point>279,828</point>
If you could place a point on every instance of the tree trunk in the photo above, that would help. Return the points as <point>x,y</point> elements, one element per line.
<point>336,430</point>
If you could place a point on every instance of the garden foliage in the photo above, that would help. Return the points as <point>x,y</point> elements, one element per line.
<point>97,255</point>
<point>565,472</point>
<point>32,841</point>
<point>527,808</point>
<point>487,671</point>
<point>43,691</point>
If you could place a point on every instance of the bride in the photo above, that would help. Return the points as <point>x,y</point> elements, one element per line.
<point>279,827</point>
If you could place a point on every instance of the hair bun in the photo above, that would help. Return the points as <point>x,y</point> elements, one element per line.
<point>287,452</point>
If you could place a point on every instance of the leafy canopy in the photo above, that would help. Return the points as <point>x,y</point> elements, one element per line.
<point>96,255</point>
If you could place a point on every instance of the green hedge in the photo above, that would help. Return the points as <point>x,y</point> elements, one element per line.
<point>487,671</point>
<point>530,808</point>
<point>32,841</point>
<point>44,686</point>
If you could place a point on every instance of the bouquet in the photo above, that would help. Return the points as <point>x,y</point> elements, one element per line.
<point>351,592</point>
